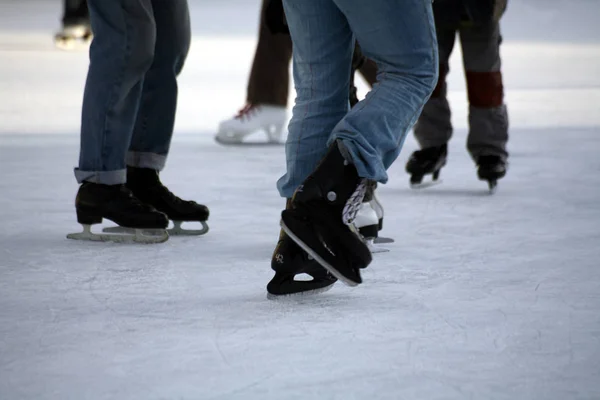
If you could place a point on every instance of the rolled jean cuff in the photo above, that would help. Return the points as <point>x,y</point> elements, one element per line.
<point>116,177</point>
<point>370,168</point>
<point>145,160</point>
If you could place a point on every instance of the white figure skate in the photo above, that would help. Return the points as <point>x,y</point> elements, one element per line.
<point>251,119</point>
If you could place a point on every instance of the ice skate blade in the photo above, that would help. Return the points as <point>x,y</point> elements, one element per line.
<point>143,236</point>
<point>299,295</point>
<point>382,240</point>
<point>375,249</point>
<point>317,257</point>
<point>272,132</point>
<point>424,185</point>
<point>239,142</point>
<point>68,43</point>
<point>177,230</point>
<point>492,187</point>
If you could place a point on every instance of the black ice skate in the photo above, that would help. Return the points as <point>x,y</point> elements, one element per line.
<point>321,220</point>
<point>490,169</point>
<point>145,184</point>
<point>75,34</point>
<point>424,162</point>
<point>116,203</point>
<point>289,262</point>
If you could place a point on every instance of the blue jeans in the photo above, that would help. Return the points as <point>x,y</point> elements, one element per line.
<point>399,35</point>
<point>130,97</point>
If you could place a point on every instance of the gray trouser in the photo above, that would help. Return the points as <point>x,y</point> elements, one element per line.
<point>488,117</point>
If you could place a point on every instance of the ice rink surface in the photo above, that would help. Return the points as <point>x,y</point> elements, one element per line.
<point>480,297</point>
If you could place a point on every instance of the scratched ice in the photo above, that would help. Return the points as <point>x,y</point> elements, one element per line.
<point>481,297</point>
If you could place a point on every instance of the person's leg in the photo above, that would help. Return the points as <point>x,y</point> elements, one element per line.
<point>488,116</point>
<point>75,12</point>
<point>269,77</point>
<point>405,49</point>
<point>120,55</point>
<point>322,90</point>
<point>434,126</point>
<point>155,120</point>
<point>329,180</point>
<point>267,91</point>
<point>318,30</point>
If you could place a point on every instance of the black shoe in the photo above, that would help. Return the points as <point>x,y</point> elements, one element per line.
<point>289,261</point>
<point>491,168</point>
<point>116,203</point>
<point>426,161</point>
<point>145,184</point>
<point>320,220</point>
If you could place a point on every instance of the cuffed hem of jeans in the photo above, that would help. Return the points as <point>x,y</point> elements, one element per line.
<point>364,170</point>
<point>116,177</point>
<point>285,188</point>
<point>145,160</point>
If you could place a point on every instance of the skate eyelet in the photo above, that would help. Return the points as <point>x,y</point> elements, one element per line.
<point>331,196</point>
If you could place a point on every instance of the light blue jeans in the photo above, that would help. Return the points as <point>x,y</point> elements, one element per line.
<point>130,97</point>
<point>399,35</point>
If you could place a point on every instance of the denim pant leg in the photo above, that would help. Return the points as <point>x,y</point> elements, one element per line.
<point>120,54</point>
<point>400,37</point>
<point>322,57</point>
<point>156,116</point>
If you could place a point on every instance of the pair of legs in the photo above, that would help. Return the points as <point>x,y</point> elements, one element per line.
<point>130,95</point>
<point>405,51</point>
<point>488,117</point>
<point>335,154</point>
<point>128,115</point>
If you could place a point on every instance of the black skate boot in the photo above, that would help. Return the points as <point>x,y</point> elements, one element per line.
<point>145,184</point>
<point>289,261</point>
<point>424,162</point>
<point>116,203</point>
<point>490,169</point>
<point>76,28</point>
<point>76,33</point>
<point>322,216</point>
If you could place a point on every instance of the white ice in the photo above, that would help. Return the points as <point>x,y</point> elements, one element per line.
<point>481,297</point>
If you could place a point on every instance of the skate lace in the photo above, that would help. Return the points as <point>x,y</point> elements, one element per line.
<point>165,192</point>
<point>247,112</point>
<point>134,202</point>
<point>353,204</point>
